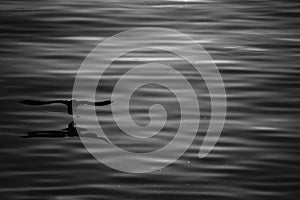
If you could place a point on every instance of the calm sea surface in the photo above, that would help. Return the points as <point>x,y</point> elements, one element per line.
<point>255,45</point>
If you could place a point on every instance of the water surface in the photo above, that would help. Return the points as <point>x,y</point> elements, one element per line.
<point>255,44</point>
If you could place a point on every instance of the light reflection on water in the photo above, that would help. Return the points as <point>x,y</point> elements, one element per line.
<point>255,45</point>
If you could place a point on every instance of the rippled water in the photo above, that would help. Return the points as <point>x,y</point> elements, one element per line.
<point>255,44</point>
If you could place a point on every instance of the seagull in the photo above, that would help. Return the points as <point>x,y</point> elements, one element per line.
<point>69,103</point>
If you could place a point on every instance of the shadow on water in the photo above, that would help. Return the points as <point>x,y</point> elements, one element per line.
<point>71,131</point>
<point>67,132</point>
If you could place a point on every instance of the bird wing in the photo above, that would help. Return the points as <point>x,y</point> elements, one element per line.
<point>99,103</point>
<point>39,103</point>
<point>103,103</point>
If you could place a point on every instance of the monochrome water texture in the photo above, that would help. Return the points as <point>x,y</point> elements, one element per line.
<point>255,45</point>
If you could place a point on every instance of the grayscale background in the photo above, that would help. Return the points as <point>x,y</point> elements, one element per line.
<point>255,44</point>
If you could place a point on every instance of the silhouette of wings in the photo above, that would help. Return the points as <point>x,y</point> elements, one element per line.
<point>60,134</point>
<point>70,104</point>
<point>101,103</point>
<point>47,134</point>
<point>66,102</point>
<point>70,131</point>
<point>39,103</point>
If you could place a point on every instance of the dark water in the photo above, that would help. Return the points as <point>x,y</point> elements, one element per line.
<point>255,45</point>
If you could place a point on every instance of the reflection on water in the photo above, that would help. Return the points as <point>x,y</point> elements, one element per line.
<point>70,131</point>
<point>256,47</point>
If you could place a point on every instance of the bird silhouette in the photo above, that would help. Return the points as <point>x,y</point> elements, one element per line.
<point>69,103</point>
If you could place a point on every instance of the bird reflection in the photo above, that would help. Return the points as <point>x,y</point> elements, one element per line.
<point>71,131</point>
<point>71,104</point>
